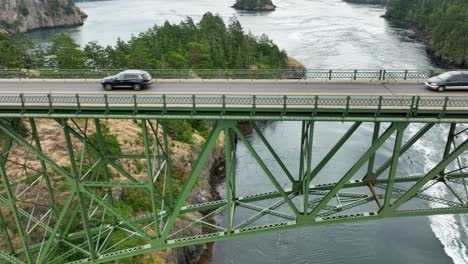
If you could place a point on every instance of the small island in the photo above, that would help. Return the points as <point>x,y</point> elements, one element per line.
<point>254,5</point>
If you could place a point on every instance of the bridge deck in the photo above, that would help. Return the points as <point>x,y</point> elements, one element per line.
<point>237,100</point>
<point>282,87</point>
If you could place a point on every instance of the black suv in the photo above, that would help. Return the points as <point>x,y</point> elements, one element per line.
<point>135,79</point>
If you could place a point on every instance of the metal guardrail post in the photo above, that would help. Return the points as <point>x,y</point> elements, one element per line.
<point>193,105</point>
<point>412,110</point>
<point>383,75</point>
<point>49,98</point>
<point>330,75</point>
<point>23,107</point>
<point>316,98</point>
<point>107,104</point>
<point>444,109</point>
<point>254,101</point>
<point>164,104</point>
<point>135,105</point>
<point>380,75</point>
<point>223,111</point>
<point>406,75</point>
<point>285,103</point>
<point>379,107</point>
<point>78,104</point>
<point>416,107</point>
<point>355,74</point>
<point>348,99</point>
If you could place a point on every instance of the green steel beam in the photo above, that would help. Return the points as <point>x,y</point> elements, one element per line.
<point>103,161</point>
<point>167,158</point>
<point>242,116</point>
<point>54,235</point>
<point>364,158</point>
<point>308,157</point>
<point>228,148</point>
<point>393,169</point>
<point>450,141</point>
<point>273,153</point>
<point>255,230</point>
<point>6,235</point>
<point>375,135</point>
<point>10,258</point>
<point>312,174</point>
<point>76,187</point>
<point>266,170</point>
<point>45,173</point>
<point>13,206</point>
<point>404,148</point>
<point>194,174</point>
<point>302,151</point>
<point>430,175</point>
<point>150,173</point>
<point>95,236</point>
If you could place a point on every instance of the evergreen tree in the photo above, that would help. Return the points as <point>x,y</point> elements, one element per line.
<point>65,53</point>
<point>445,20</point>
<point>12,55</point>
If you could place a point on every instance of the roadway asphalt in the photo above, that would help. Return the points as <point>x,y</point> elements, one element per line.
<point>225,87</point>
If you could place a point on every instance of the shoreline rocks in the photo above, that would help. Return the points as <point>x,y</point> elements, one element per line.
<point>425,37</point>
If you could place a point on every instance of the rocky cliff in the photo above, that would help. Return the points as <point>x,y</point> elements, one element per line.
<point>28,15</point>
<point>254,5</point>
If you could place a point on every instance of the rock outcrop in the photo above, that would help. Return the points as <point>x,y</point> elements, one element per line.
<point>28,15</point>
<point>254,5</point>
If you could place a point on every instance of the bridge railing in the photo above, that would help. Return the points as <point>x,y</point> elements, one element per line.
<point>308,74</point>
<point>223,103</point>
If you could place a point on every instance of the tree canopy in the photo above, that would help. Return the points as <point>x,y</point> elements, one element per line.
<point>208,44</point>
<point>445,20</point>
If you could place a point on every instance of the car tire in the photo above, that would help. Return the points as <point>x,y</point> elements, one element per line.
<point>137,87</point>
<point>441,88</point>
<point>108,87</point>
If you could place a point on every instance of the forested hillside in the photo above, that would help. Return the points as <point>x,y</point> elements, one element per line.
<point>444,21</point>
<point>209,44</point>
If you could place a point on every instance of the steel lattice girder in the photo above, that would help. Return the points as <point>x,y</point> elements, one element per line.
<point>430,109</point>
<point>84,224</point>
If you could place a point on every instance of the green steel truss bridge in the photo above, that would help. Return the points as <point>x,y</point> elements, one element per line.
<point>51,213</point>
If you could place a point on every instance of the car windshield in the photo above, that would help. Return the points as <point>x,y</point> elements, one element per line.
<point>445,76</point>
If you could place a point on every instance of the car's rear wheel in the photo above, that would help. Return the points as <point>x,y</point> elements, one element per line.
<point>137,87</point>
<point>108,87</point>
<point>441,88</point>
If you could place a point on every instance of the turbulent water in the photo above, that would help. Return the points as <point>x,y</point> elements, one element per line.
<point>322,34</point>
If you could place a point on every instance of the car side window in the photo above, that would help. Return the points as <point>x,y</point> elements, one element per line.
<point>452,78</point>
<point>465,77</point>
<point>131,76</point>
<point>121,77</point>
<point>458,78</point>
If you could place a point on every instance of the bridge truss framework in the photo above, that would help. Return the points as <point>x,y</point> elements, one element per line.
<point>51,213</point>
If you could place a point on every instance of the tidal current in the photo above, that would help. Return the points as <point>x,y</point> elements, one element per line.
<point>322,34</point>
